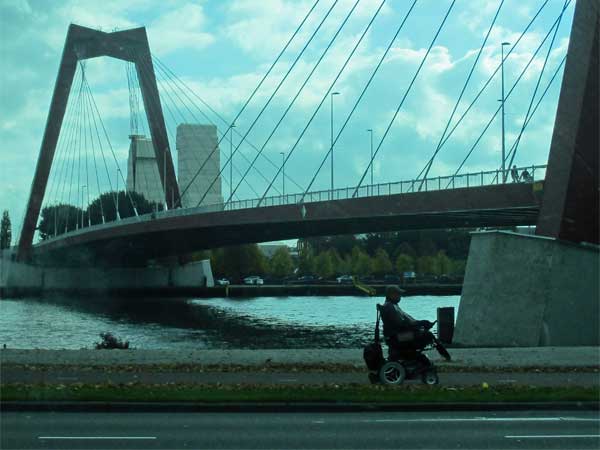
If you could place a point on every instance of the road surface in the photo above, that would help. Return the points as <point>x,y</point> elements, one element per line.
<point>449,430</point>
<point>68,376</point>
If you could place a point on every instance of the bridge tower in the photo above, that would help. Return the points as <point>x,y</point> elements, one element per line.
<point>86,43</point>
<point>570,204</point>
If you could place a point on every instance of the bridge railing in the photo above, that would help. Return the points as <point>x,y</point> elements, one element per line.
<point>483,178</point>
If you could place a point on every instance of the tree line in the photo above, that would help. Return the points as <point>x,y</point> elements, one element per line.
<point>62,218</point>
<point>429,252</point>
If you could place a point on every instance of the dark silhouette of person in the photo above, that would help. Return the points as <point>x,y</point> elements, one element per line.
<point>402,330</point>
<point>514,173</point>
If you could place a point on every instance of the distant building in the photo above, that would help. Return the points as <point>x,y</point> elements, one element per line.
<point>195,142</point>
<point>142,170</point>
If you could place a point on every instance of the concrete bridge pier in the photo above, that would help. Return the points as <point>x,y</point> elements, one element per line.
<point>529,291</point>
<point>18,278</point>
<point>544,290</point>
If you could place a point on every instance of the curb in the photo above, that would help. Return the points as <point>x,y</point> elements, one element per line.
<point>276,407</point>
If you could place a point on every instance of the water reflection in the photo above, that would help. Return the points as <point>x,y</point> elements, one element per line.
<point>266,322</point>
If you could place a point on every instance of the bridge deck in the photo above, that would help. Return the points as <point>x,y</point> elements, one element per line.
<point>138,240</point>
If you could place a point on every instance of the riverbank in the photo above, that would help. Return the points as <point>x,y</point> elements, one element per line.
<point>236,291</point>
<point>300,359</point>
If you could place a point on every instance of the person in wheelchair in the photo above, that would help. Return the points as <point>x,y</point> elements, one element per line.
<point>403,334</point>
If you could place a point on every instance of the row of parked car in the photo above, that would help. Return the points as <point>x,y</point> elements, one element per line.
<point>343,279</point>
<point>256,280</point>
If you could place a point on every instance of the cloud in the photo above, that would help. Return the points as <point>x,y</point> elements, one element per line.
<point>182,28</point>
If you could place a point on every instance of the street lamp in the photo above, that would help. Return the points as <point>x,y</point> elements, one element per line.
<point>283,171</point>
<point>117,216</point>
<point>82,200</point>
<point>231,160</point>
<point>503,100</point>
<point>370,131</point>
<point>332,94</point>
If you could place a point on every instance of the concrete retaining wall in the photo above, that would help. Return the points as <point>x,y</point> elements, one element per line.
<point>16,277</point>
<point>529,291</point>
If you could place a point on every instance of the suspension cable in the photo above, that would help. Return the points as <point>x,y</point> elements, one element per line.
<point>405,95</point>
<point>89,112</point>
<point>119,172</point>
<point>515,145</point>
<point>254,91</point>
<point>327,94</point>
<point>174,119</point>
<point>174,77</point>
<point>307,80</point>
<point>275,91</point>
<point>437,149</point>
<point>483,88</point>
<point>506,97</point>
<point>166,92</point>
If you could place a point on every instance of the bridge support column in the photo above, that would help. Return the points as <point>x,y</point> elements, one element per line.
<point>528,291</point>
<point>18,278</point>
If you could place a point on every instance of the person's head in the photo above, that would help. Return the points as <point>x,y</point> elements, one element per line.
<point>393,293</point>
<point>515,167</point>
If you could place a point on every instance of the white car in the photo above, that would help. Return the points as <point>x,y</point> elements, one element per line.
<point>344,279</point>
<point>223,282</point>
<point>253,280</point>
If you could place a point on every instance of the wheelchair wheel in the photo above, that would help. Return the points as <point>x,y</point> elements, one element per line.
<point>430,377</point>
<point>392,372</point>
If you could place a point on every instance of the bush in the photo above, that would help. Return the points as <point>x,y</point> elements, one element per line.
<point>110,342</point>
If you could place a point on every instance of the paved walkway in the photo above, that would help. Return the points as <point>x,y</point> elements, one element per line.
<point>505,358</point>
<point>67,376</point>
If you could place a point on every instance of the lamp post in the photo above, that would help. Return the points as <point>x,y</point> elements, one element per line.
<point>117,216</point>
<point>370,131</point>
<point>82,200</point>
<point>283,172</point>
<point>503,100</point>
<point>332,94</point>
<point>231,160</point>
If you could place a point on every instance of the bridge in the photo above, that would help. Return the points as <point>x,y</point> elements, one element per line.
<point>478,199</point>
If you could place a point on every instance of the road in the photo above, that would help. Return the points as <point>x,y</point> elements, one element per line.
<point>451,430</point>
<point>68,376</point>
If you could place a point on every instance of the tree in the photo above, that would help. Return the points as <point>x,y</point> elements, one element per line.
<point>405,263</point>
<point>5,231</point>
<point>306,261</point>
<point>442,265</point>
<point>361,263</point>
<point>59,219</point>
<point>425,264</point>
<point>281,264</point>
<point>243,260</point>
<point>105,206</point>
<point>324,265</point>
<point>381,263</point>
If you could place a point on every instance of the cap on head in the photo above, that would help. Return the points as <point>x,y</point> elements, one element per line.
<point>393,291</point>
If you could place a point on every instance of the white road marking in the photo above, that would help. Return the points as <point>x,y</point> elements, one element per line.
<point>287,380</point>
<point>97,437</point>
<point>490,419</point>
<point>318,421</point>
<point>556,436</point>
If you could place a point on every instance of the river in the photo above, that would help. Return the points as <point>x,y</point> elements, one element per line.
<point>264,322</point>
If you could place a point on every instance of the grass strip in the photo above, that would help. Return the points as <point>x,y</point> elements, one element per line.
<point>277,367</point>
<point>135,392</point>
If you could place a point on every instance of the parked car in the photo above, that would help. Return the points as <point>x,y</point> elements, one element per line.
<point>254,280</point>
<point>344,279</point>
<point>223,282</point>
<point>306,279</point>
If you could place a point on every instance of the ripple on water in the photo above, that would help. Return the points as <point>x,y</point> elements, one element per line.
<point>265,322</point>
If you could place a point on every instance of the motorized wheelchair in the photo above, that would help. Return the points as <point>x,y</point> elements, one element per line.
<point>406,360</point>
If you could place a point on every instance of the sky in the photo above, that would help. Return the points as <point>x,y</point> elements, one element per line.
<point>221,50</point>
